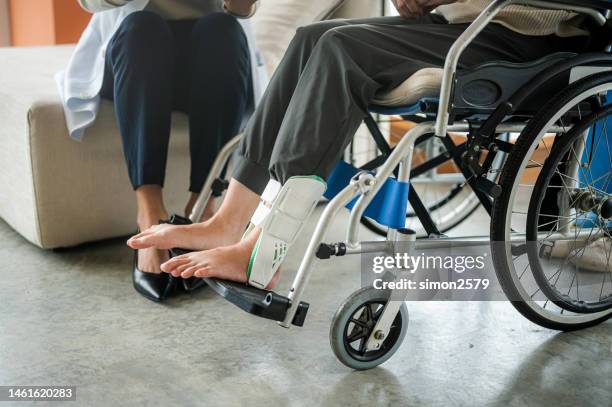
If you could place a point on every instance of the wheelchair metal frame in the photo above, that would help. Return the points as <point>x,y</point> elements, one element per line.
<point>365,185</point>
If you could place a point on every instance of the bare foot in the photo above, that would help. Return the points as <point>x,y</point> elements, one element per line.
<point>199,236</point>
<point>225,228</point>
<point>227,263</point>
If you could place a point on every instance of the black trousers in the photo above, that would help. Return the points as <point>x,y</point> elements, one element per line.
<point>154,67</point>
<point>331,72</point>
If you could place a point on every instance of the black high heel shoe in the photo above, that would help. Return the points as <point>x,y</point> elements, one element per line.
<point>193,283</point>
<point>152,286</point>
<point>155,287</point>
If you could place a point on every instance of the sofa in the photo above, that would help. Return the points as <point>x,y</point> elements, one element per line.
<point>57,192</point>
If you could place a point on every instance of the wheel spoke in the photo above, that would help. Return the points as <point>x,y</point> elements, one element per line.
<point>359,323</point>
<point>362,345</point>
<point>367,313</point>
<point>356,334</point>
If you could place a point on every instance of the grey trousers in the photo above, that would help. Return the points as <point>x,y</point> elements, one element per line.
<point>331,71</point>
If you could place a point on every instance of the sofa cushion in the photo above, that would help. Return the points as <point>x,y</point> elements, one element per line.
<point>60,192</point>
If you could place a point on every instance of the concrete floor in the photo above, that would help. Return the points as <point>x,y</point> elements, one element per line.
<point>72,318</point>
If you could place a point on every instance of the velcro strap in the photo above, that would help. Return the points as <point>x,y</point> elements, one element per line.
<point>261,213</point>
<point>283,227</point>
<point>267,198</point>
<point>271,191</point>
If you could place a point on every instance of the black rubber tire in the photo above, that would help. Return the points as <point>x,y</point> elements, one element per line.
<point>341,319</point>
<point>506,181</point>
<point>558,153</point>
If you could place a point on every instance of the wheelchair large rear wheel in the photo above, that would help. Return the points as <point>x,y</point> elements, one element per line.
<point>555,212</point>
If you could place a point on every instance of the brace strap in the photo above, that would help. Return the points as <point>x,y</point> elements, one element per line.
<point>267,197</point>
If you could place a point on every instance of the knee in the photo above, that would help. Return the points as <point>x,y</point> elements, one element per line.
<point>220,37</point>
<point>334,38</point>
<point>217,26</point>
<point>143,28</point>
<point>312,33</point>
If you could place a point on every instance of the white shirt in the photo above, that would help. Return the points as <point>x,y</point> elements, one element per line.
<point>80,83</point>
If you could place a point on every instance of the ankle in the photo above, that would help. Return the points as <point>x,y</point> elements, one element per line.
<point>232,224</point>
<point>149,218</point>
<point>250,240</point>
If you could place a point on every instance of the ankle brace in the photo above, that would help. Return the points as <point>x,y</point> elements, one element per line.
<point>281,223</point>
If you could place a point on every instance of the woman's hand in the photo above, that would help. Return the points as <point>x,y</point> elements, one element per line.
<point>243,8</point>
<point>417,8</point>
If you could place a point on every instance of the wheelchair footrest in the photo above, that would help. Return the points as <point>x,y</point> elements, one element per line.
<point>262,303</point>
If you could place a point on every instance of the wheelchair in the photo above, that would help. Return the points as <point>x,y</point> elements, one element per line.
<point>549,193</point>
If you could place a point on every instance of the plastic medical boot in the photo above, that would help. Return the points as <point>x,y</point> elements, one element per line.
<point>281,223</point>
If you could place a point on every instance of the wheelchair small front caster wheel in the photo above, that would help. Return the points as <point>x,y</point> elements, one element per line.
<point>353,323</point>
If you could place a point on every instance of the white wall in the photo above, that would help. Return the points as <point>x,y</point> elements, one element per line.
<point>5,32</point>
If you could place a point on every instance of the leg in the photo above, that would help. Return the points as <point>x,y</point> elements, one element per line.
<point>347,67</point>
<point>143,105</point>
<point>217,103</point>
<point>264,125</point>
<point>220,89</point>
<point>351,64</point>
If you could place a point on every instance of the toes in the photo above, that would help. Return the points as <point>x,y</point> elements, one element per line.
<point>142,233</point>
<point>155,235</point>
<point>173,263</point>
<point>136,239</point>
<point>144,242</point>
<point>138,242</point>
<point>180,269</point>
<point>189,271</point>
<point>202,272</point>
<point>177,271</point>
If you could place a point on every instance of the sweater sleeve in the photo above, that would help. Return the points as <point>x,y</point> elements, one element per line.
<point>93,6</point>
